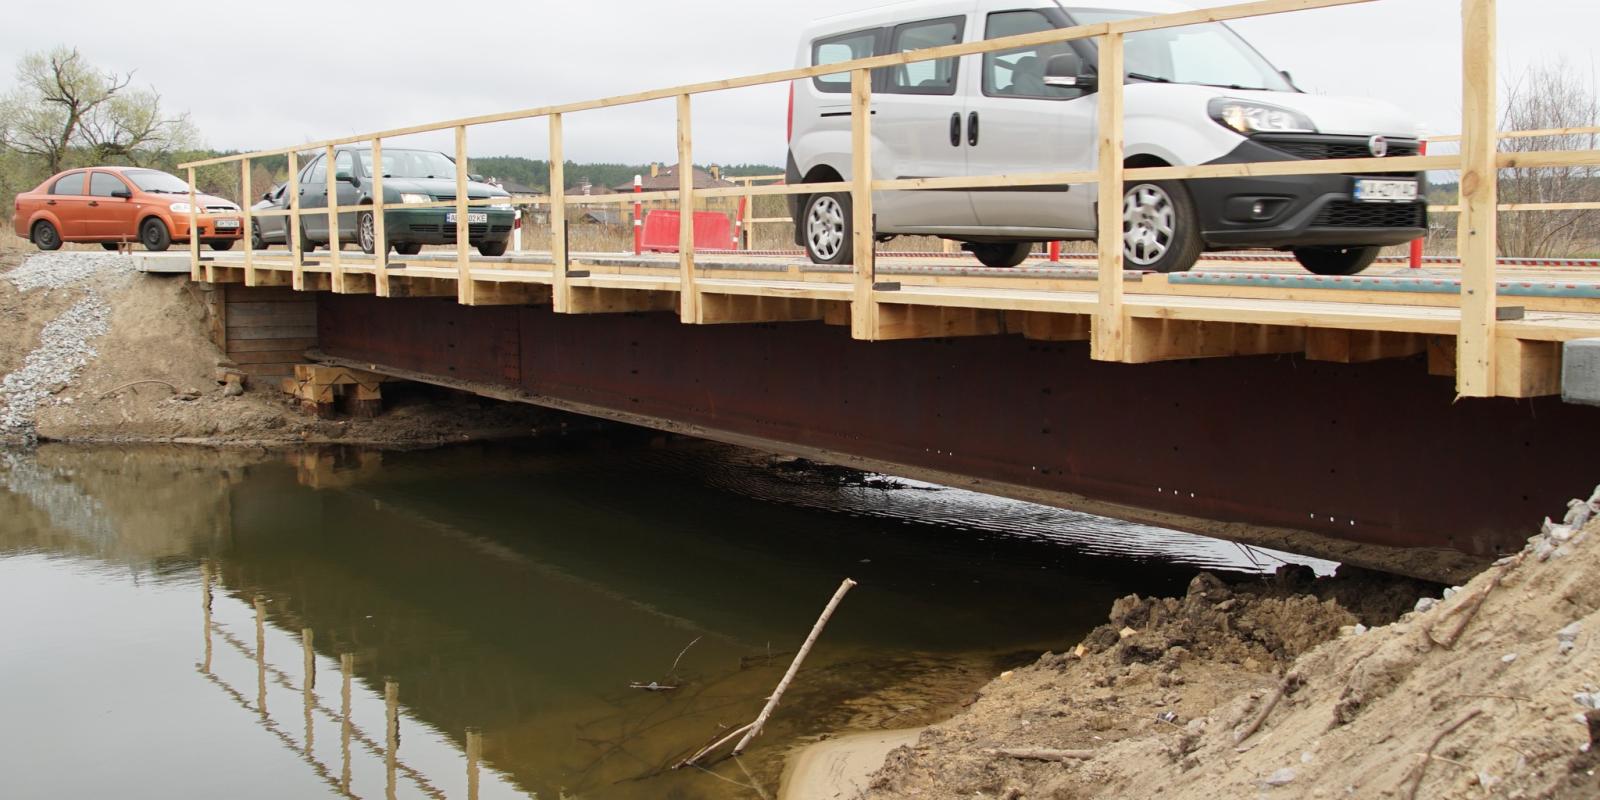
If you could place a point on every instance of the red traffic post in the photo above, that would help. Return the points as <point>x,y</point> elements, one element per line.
<point>1416,245</point>
<point>638,217</point>
<point>1055,251</point>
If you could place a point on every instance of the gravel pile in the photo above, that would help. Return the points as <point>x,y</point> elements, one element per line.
<point>62,269</point>
<point>65,343</point>
<point>64,349</point>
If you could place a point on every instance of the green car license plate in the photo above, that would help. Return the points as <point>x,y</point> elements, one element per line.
<point>473,218</point>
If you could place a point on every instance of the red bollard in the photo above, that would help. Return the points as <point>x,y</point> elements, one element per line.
<point>1055,251</point>
<point>638,217</point>
<point>1416,246</point>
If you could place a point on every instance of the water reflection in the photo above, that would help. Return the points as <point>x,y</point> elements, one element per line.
<point>514,594</point>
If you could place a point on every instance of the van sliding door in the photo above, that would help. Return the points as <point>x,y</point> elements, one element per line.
<point>919,121</point>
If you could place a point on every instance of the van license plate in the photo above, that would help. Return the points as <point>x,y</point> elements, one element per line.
<point>227,224</point>
<point>473,218</point>
<point>1370,191</point>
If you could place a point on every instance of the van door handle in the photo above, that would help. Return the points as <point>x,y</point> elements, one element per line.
<point>955,129</point>
<point>972,129</point>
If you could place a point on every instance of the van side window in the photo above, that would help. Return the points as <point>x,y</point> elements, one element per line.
<point>71,183</point>
<point>1020,73</point>
<point>926,77</point>
<point>847,47</point>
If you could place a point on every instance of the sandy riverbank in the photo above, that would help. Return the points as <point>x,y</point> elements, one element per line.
<point>96,352</point>
<point>1290,688</point>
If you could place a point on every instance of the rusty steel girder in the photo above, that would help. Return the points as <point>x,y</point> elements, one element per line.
<point>1339,461</point>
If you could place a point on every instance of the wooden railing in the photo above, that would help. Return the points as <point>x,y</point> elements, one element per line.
<point>1478,164</point>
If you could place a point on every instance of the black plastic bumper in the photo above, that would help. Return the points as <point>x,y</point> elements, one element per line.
<point>1299,210</point>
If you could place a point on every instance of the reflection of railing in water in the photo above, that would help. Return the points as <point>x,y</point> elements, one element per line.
<point>349,731</point>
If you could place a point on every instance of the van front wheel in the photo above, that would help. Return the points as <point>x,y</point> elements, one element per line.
<point>1160,230</point>
<point>825,227</point>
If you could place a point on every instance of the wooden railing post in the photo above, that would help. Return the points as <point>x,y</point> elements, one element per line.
<point>1108,332</point>
<point>246,200</point>
<point>863,307</point>
<point>380,228</point>
<point>1476,240</point>
<point>747,237</point>
<point>308,686</point>
<point>297,256</point>
<point>195,272</point>
<point>688,296</point>
<point>346,667</point>
<point>559,258</point>
<point>464,287</point>
<point>391,717</point>
<point>331,181</point>
<point>261,657</point>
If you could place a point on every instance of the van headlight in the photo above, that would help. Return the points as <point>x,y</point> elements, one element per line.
<point>408,197</point>
<point>1247,117</point>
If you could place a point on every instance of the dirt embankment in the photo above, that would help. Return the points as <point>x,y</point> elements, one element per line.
<point>96,352</point>
<point>1284,690</point>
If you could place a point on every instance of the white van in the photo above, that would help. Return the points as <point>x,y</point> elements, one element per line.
<point>1195,95</point>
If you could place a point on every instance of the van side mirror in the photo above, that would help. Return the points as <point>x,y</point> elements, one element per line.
<point>1067,71</point>
<point>1289,78</point>
<point>475,178</point>
<point>267,196</point>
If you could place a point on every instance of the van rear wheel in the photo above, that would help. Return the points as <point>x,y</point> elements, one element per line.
<point>1160,230</point>
<point>1003,255</point>
<point>1336,260</point>
<point>826,229</point>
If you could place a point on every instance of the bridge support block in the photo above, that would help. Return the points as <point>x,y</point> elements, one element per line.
<point>320,388</point>
<point>899,321</point>
<point>358,283</point>
<point>715,308</point>
<point>604,300</point>
<point>1150,340</point>
<point>216,274</point>
<point>1044,326</point>
<point>1360,347</point>
<point>498,293</point>
<point>401,286</point>
<point>1522,368</point>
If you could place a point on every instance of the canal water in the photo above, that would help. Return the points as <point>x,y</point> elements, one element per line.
<point>471,621</point>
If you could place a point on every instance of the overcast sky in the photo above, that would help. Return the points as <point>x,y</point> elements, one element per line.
<point>294,71</point>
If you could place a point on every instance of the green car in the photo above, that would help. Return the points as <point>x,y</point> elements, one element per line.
<point>409,176</point>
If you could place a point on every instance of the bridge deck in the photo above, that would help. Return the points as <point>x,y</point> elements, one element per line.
<point>1229,306</point>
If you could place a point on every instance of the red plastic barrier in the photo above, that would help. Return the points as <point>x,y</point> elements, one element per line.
<point>712,231</point>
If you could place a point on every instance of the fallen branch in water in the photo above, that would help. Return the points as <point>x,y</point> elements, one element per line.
<point>1041,754</point>
<point>753,730</point>
<point>651,686</point>
<point>681,652</point>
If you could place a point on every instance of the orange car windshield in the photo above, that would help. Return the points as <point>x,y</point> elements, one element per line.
<point>155,182</point>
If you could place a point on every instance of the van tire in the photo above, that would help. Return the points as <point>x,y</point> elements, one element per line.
<point>45,236</point>
<point>155,237</point>
<point>1160,229</point>
<point>1003,255</point>
<point>825,229</point>
<point>1336,260</point>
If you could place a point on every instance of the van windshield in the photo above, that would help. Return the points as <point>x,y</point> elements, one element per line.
<point>1210,54</point>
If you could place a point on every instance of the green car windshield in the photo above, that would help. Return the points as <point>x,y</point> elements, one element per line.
<point>411,164</point>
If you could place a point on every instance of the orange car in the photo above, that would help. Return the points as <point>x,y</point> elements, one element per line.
<point>121,204</point>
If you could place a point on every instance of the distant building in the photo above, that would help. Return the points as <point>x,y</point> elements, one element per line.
<point>665,179</point>
<point>587,187</point>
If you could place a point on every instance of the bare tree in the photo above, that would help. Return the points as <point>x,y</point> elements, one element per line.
<point>63,104</point>
<point>1550,97</point>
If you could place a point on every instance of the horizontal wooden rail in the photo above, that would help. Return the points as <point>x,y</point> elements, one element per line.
<point>1529,134</point>
<point>1524,207</point>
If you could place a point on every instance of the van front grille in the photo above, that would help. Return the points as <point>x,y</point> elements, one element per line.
<point>1326,147</point>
